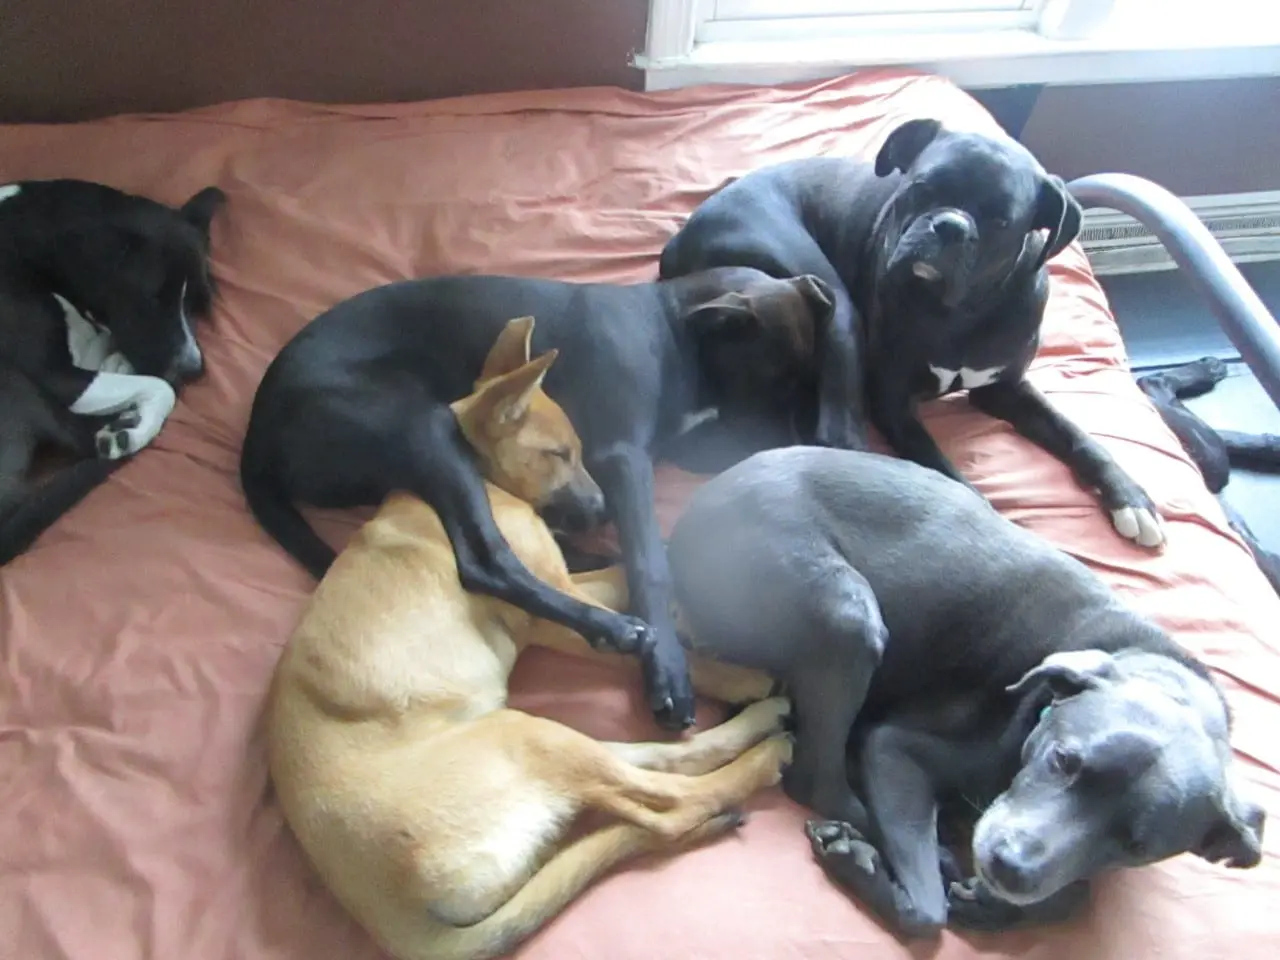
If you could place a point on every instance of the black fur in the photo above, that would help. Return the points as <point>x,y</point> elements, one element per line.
<point>1215,452</point>
<point>122,260</point>
<point>355,406</point>
<point>936,255</point>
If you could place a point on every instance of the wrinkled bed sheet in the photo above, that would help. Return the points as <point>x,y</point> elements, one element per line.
<point>139,635</point>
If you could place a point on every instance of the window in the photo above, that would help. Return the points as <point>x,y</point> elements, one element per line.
<point>978,43</point>
<point>798,19</point>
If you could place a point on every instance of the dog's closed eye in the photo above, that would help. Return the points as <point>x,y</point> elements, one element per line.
<point>1065,761</point>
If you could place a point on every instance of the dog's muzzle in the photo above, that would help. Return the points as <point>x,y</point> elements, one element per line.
<point>186,365</point>
<point>575,508</point>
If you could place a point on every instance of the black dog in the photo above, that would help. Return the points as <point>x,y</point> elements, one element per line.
<point>98,289</point>
<point>984,675</point>
<point>936,256</point>
<point>356,407</point>
<point>1215,452</point>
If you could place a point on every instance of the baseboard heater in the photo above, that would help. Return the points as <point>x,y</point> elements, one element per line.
<point>1246,224</point>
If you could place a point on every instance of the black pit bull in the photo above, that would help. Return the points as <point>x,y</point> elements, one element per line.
<point>99,290</point>
<point>986,678</point>
<point>936,256</point>
<point>356,406</point>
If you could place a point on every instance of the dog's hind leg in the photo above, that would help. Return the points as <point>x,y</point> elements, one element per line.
<point>558,882</point>
<point>1253,451</point>
<point>1202,443</point>
<point>1187,381</point>
<point>713,748</point>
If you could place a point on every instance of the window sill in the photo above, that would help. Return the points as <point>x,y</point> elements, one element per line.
<point>982,60</point>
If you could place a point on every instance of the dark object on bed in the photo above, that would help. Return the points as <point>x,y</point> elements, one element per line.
<point>1215,452</point>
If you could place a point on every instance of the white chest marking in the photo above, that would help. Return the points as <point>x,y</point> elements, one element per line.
<point>91,346</point>
<point>968,377</point>
<point>9,190</point>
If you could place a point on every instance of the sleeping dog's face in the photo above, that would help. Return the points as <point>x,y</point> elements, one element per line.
<point>756,350</point>
<point>1127,766</point>
<point>138,267</point>
<point>968,210</point>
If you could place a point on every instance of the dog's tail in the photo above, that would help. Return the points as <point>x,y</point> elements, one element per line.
<point>549,891</point>
<point>277,515</point>
<point>36,510</point>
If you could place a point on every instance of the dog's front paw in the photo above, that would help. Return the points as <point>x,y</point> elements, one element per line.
<point>833,840</point>
<point>667,684</point>
<point>971,906</point>
<point>116,440</point>
<point>1133,513</point>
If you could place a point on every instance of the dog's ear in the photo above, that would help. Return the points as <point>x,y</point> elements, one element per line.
<point>728,315</point>
<point>511,351</point>
<point>906,143</point>
<point>819,295</point>
<point>199,210</point>
<point>1059,213</point>
<point>1236,838</point>
<point>504,400</point>
<point>1069,672</point>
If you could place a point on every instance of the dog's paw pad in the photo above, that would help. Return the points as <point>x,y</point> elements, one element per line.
<point>112,443</point>
<point>1139,524</point>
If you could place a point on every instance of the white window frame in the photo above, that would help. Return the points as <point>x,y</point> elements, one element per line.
<point>1044,42</point>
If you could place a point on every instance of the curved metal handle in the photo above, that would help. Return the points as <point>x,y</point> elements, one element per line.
<point>1239,310</point>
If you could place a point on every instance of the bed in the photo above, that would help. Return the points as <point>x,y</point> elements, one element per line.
<point>138,636</point>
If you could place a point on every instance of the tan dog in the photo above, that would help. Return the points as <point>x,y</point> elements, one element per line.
<point>433,812</point>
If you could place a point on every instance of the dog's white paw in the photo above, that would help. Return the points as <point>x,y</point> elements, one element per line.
<point>1139,524</point>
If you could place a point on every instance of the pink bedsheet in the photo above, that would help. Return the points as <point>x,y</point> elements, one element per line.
<point>139,635</point>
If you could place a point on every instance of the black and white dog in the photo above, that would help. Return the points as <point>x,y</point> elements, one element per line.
<point>98,289</point>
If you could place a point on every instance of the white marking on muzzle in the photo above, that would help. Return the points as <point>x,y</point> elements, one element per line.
<point>9,190</point>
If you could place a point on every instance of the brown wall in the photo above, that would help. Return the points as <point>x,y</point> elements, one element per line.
<point>72,59</point>
<point>1217,136</point>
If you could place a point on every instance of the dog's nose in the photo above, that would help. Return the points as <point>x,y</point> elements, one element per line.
<point>1011,864</point>
<point>186,365</point>
<point>950,227</point>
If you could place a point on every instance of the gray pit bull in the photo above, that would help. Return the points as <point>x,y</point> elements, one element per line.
<point>986,677</point>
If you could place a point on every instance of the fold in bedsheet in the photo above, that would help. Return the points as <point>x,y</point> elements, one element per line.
<point>139,635</point>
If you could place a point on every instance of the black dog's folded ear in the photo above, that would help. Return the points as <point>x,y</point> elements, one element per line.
<point>729,314</point>
<point>1069,673</point>
<point>199,210</point>
<point>1236,839</point>
<point>1059,213</point>
<point>819,296</point>
<point>906,143</point>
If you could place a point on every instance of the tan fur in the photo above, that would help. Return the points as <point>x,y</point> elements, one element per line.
<point>435,814</point>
